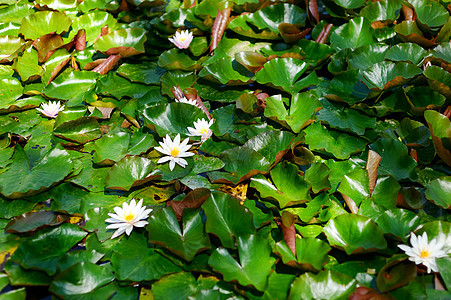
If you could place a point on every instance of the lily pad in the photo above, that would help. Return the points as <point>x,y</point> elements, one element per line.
<point>439,191</point>
<point>254,265</point>
<point>386,74</point>
<point>186,242</point>
<point>354,234</point>
<point>43,22</point>
<point>126,42</point>
<point>358,32</point>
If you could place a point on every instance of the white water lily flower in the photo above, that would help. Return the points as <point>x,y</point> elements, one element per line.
<point>424,252</point>
<point>182,39</point>
<point>127,217</point>
<point>201,128</point>
<point>188,101</point>
<point>174,151</point>
<point>51,109</point>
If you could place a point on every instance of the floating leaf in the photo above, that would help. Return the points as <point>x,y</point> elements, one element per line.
<point>356,33</point>
<point>386,74</point>
<point>254,266</point>
<point>439,191</point>
<point>398,222</point>
<point>43,22</point>
<point>430,13</point>
<point>148,73</point>
<point>10,48</point>
<point>227,218</point>
<point>406,52</point>
<point>126,42</point>
<point>354,234</point>
<point>21,179</point>
<point>324,285</point>
<point>285,72</point>
<point>81,130</point>
<point>303,108</point>
<point>44,249</point>
<point>186,242</point>
<point>128,262</point>
<point>289,187</point>
<point>129,172</point>
<point>341,145</point>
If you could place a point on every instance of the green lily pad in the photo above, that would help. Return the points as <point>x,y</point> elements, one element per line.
<point>365,56</point>
<point>44,249</point>
<point>34,221</point>
<point>128,263</point>
<point>92,22</point>
<point>227,71</point>
<point>395,159</point>
<point>350,4</point>
<point>129,172</point>
<point>386,74</point>
<point>227,218</point>
<point>341,145</point>
<point>172,118</point>
<point>289,187</point>
<point>148,73</point>
<point>324,285</point>
<point>398,222</point>
<point>19,276</point>
<point>345,118</point>
<point>439,191</point>
<point>186,242</point>
<point>311,253</point>
<point>15,12</point>
<point>355,185</point>
<point>81,279</point>
<point>71,86</point>
<point>358,32</point>
<point>175,59</point>
<point>241,163</point>
<point>284,73</point>
<point>354,234</point>
<point>126,42</point>
<point>27,65</point>
<point>302,110</point>
<point>430,14</point>
<point>43,22</point>
<point>81,130</point>
<point>439,80</point>
<point>254,265</point>
<point>10,48</point>
<point>386,10</point>
<point>10,90</point>
<point>271,144</point>
<point>406,52</point>
<point>267,20</point>
<point>53,167</point>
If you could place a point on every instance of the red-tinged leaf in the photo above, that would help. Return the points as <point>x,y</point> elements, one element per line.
<point>365,293</point>
<point>413,153</point>
<point>192,94</point>
<point>103,31</point>
<point>46,45</point>
<point>219,26</point>
<point>447,112</point>
<point>73,63</point>
<point>34,221</point>
<point>57,69</point>
<point>177,92</point>
<point>291,33</point>
<point>408,13</point>
<point>107,65</point>
<point>193,199</point>
<point>322,37</point>
<point>350,203</point>
<point>313,8</point>
<point>288,230</point>
<point>372,165</point>
<point>261,99</point>
<point>92,65</point>
<point>80,43</point>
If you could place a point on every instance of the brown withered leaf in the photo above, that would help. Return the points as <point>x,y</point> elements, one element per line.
<point>219,26</point>
<point>322,37</point>
<point>372,165</point>
<point>313,8</point>
<point>193,199</point>
<point>290,33</point>
<point>58,69</point>
<point>46,45</point>
<point>107,64</point>
<point>92,65</point>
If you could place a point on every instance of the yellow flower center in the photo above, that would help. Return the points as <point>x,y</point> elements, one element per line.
<point>129,217</point>
<point>203,130</point>
<point>182,39</point>
<point>175,151</point>
<point>424,253</point>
